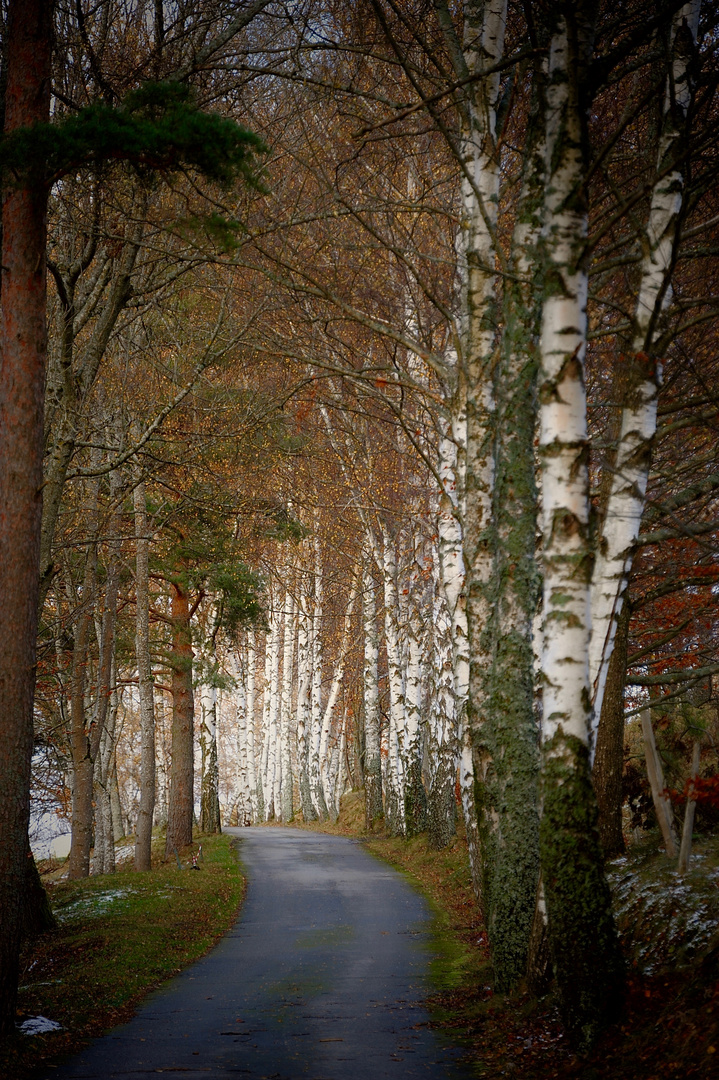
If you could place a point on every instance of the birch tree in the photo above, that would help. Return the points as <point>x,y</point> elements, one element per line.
<point>372,757</point>
<point>585,950</point>
<point>143,827</point>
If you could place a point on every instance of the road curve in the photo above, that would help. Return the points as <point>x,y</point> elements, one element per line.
<point>321,977</point>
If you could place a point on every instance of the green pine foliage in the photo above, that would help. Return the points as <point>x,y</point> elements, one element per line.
<point>158,128</point>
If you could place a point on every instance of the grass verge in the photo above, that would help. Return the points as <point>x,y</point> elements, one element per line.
<point>670,935</point>
<point>119,936</point>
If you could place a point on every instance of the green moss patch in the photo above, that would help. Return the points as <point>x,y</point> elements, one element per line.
<point>120,936</point>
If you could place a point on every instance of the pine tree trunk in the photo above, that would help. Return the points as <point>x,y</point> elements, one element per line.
<point>37,916</point>
<point>23,347</point>
<point>146,810</point>
<point>181,801</point>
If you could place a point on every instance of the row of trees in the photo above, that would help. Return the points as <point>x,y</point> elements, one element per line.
<point>443,373</point>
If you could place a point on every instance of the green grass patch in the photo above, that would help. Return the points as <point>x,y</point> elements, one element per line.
<point>118,937</point>
<point>669,931</point>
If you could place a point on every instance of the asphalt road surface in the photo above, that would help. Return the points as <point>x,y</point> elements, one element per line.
<point>321,977</point>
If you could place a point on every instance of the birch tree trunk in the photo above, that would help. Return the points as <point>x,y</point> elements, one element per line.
<point>304,718</point>
<point>161,764</point>
<point>325,755</point>
<point>253,772</point>
<point>244,796</point>
<point>143,828</point>
<point>275,724</point>
<point>585,952</point>
<point>453,582</point>
<point>442,731</point>
<point>508,740</point>
<point>483,46</point>
<point>265,728</point>
<point>209,797</point>
<point>372,756</point>
<point>415,796</point>
<point>287,812</point>
<point>394,799</point>
<point>316,790</point>
<point>639,415</point>
<point>274,764</point>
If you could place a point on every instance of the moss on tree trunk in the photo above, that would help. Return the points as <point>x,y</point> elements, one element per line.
<point>588,965</point>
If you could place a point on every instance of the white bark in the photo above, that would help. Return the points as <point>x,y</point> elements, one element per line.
<point>639,416</point>
<point>484,28</point>
<point>209,803</point>
<point>337,679</point>
<point>316,789</point>
<point>290,626</point>
<point>252,769</point>
<point>442,735</point>
<point>562,418</point>
<point>274,764</point>
<point>395,775</point>
<point>453,585</point>
<point>373,758</point>
<point>304,681</point>
<point>244,797</point>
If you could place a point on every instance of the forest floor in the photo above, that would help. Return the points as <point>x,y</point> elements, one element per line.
<point>118,937</point>
<point>669,929</point>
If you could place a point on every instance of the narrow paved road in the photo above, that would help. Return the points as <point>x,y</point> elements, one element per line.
<point>321,977</point>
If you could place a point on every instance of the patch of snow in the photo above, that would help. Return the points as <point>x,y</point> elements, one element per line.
<point>96,904</point>
<point>39,1025</point>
